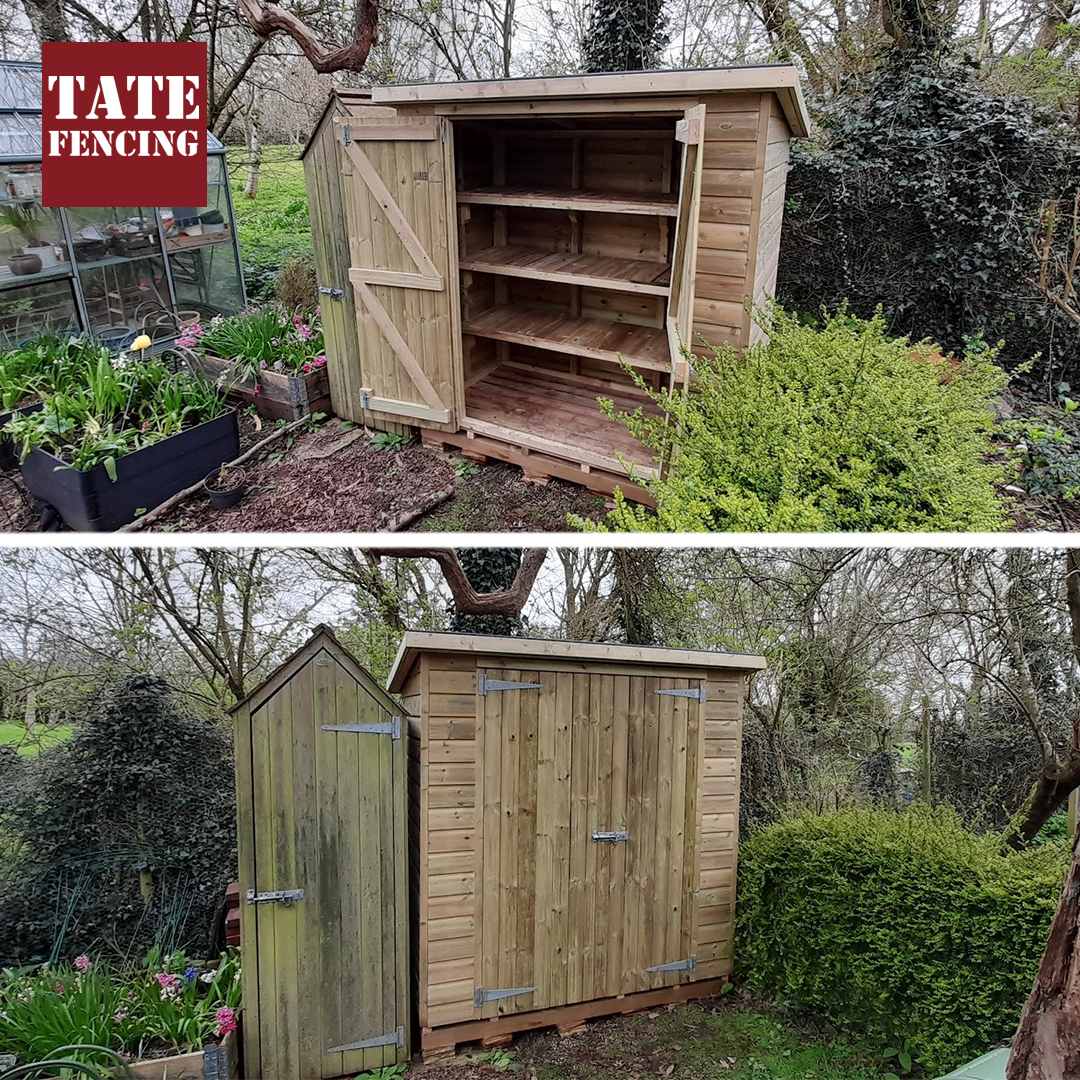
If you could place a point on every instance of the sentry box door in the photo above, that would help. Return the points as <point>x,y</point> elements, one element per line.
<point>321,784</point>
<point>589,828</point>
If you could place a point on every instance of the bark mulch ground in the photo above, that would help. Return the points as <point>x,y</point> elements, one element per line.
<point>336,478</point>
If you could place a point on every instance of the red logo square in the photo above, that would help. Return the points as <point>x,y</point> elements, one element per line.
<point>123,124</point>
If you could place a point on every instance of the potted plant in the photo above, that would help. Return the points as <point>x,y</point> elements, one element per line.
<point>35,255</point>
<point>122,439</point>
<point>271,356</point>
<point>226,486</point>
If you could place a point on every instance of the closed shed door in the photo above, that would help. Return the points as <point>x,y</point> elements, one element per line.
<point>326,779</point>
<point>589,856</point>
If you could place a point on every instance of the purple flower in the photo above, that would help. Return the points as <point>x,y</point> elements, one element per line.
<point>262,363</point>
<point>190,973</point>
<point>275,341</point>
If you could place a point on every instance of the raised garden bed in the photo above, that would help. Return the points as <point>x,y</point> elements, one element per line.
<point>92,502</point>
<point>276,395</point>
<point>216,1061</point>
<point>9,458</point>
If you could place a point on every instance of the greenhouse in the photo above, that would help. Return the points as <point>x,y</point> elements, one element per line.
<point>113,271</point>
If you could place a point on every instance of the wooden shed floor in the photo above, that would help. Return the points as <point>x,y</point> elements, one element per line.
<point>556,413</point>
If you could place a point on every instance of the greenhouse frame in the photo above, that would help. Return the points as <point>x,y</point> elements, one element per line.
<point>114,272</point>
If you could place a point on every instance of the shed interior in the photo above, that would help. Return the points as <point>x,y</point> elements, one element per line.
<point>565,234</point>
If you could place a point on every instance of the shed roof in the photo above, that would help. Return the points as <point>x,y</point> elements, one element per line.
<point>416,642</point>
<point>781,79</point>
<point>20,113</point>
<point>322,639</point>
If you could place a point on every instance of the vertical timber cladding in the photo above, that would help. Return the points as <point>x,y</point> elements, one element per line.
<point>578,825</point>
<point>321,786</point>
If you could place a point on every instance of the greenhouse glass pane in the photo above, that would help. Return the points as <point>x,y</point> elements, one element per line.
<point>20,86</point>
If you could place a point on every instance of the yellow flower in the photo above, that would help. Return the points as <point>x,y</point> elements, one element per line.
<point>140,343</point>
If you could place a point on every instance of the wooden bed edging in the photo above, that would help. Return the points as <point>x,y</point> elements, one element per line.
<point>218,1062</point>
<point>565,1016</point>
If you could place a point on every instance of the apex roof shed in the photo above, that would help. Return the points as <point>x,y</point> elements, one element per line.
<point>321,797</point>
<point>575,818</point>
<point>489,251</point>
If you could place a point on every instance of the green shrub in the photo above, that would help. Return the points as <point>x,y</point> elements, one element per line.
<point>902,926</point>
<point>827,427</point>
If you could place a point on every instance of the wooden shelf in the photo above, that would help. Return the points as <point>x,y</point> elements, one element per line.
<point>643,347</point>
<point>188,243</point>
<point>608,202</point>
<point>550,413</point>
<point>591,271</point>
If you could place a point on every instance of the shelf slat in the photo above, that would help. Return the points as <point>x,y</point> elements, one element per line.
<point>590,271</point>
<point>608,202</point>
<point>643,347</point>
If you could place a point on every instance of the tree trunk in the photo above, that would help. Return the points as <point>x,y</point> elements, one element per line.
<point>1047,1042</point>
<point>927,760</point>
<point>1055,784</point>
<point>251,188</point>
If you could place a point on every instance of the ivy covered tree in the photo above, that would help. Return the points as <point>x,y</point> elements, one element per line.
<point>625,35</point>
<point>128,829</point>
<point>921,194</point>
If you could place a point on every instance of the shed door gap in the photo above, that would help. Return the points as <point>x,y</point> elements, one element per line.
<point>565,236</point>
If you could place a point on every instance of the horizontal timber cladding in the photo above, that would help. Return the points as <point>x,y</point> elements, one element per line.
<point>577,827</point>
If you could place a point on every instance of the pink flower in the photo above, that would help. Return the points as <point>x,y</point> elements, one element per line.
<point>262,363</point>
<point>125,1056</point>
<point>82,963</point>
<point>306,368</point>
<point>170,984</point>
<point>120,1016</point>
<point>258,390</point>
<point>319,361</point>
<point>297,320</point>
<point>226,1021</point>
<point>59,987</point>
<point>275,341</point>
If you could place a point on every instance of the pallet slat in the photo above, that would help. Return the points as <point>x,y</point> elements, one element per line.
<point>609,202</point>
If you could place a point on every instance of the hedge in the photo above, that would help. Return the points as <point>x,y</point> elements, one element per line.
<point>903,926</point>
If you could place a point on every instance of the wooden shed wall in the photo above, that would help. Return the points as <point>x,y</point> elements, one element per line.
<point>441,697</point>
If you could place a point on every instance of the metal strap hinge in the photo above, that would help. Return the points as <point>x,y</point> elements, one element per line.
<point>677,965</point>
<point>326,290</point>
<point>484,685</point>
<point>481,996</point>
<point>392,728</point>
<point>345,135</point>
<point>395,1038</point>
<point>282,896</point>
<point>611,837</point>
<point>701,693</point>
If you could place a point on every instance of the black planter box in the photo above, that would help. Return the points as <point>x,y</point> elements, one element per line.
<point>9,457</point>
<point>91,502</point>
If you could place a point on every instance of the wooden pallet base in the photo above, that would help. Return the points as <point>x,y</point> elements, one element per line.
<point>533,464</point>
<point>568,1019</point>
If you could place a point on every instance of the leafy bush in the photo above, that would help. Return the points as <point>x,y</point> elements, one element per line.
<point>168,1005</point>
<point>899,925</point>
<point>829,427</point>
<point>920,196</point>
<point>125,833</point>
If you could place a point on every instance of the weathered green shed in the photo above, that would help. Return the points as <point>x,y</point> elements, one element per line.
<point>321,790</point>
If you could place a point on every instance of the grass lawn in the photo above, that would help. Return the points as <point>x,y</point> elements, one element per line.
<point>709,1040</point>
<point>31,745</point>
<point>274,226</point>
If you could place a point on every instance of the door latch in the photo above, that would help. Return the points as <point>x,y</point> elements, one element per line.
<point>611,837</point>
<point>336,294</point>
<point>286,897</point>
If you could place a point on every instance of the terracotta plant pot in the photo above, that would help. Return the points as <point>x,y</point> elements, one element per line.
<point>24,264</point>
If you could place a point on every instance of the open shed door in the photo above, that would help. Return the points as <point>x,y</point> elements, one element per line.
<point>690,131</point>
<point>396,213</point>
